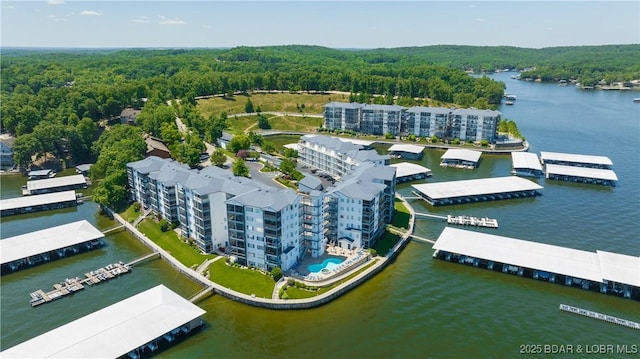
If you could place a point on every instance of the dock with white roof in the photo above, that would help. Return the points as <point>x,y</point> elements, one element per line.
<point>600,271</point>
<point>460,158</point>
<point>406,151</point>
<point>39,202</point>
<point>570,159</point>
<point>49,244</point>
<point>406,171</point>
<point>525,164</point>
<point>476,190</point>
<point>600,176</point>
<point>138,326</point>
<point>56,184</point>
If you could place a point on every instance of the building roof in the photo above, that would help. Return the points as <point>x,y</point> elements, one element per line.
<point>171,173</point>
<point>620,268</point>
<point>584,172</point>
<point>404,169</point>
<point>113,331</point>
<point>130,112</point>
<point>5,148</point>
<point>525,160</point>
<point>475,112</point>
<point>39,173</point>
<point>364,143</point>
<point>476,187</point>
<point>46,240</point>
<point>332,143</point>
<point>268,199</point>
<point>369,155</point>
<point>461,154</point>
<point>311,182</point>
<point>291,146</point>
<point>569,157</point>
<point>550,258</point>
<point>382,107</point>
<point>154,143</point>
<point>37,200</point>
<point>84,167</point>
<point>349,105</point>
<point>358,189</point>
<point>56,182</point>
<point>406,148</point>
<point>434,110</point>
<point>148,165</point>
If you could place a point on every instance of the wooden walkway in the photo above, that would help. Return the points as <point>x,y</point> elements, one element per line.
<point>201,294</point>
<point>600,316</point>
<point>143,258</point>
<point>113,229</point>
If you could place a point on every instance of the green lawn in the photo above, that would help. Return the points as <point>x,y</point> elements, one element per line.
<point>401,216</point>
<point>278,141</point>
<point>245,281</point>
<point>130,214</point>
<point>169,241</point>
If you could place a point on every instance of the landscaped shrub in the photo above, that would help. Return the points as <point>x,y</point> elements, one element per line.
<point>136,206</point>
<point>165,225</point>
<point>276,273</point>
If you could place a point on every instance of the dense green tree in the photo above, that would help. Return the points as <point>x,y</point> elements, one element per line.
<point>240,168</point>
<point>263,122</point>
<point>25,148</point>
<point>169,133</point>
<point>248,106</point>
<point>239,142</point>
<point>218,158</point>
<point>255,138</point>
<point>268,147</point>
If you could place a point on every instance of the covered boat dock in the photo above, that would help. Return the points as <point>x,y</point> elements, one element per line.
<point>406,171</point>
<point>600,176</point>
<point>40,174</point>
<point>569,159</point>
<point>57,184</point>
<point>39,202</point>
<point>600,271</point>
<point>406,151</point>
<point>138,326</point>
<point>525,164</point>
<point>49,244</point>
<point>460,158</point>
<point>476,190</point>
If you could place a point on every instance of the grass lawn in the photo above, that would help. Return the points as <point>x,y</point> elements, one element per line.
<point>385,243</point>
<point>280,102</point>
<point>245,281</point>
<point>401,216</point>
<point>169,241</point>
<point>130,214</point>
<point>239,125</point>
<point>278,141</point>
<point>298,293</point>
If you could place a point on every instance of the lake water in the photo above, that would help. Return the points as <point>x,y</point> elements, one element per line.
<point>417,307</point>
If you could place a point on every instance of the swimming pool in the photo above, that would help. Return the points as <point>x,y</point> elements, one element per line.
<point>329,263</point>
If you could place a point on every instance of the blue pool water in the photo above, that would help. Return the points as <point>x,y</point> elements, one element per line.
<point>329,263</point>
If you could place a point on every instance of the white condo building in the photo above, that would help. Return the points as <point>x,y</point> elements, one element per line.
<point>465,124</point>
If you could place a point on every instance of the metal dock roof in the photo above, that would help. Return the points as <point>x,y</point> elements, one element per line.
<point>620,268</point>
<point>56,182</point>
<point>461,154</point>
<point>37,200</point>
<point>113,331</point>
<point>570,157</point>
<point>476,187</point>
<point>404,169</point>
<point>525,160</point>
<point>46,240</point>
<point>583,172</point>
<point>406,148</point>
<point>554,259</point>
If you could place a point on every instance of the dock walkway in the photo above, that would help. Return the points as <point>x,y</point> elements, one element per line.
<point>72,285</point>
<point>464,220</point>
<point>600,316</point>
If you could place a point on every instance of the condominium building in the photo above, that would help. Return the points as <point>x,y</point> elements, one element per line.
<point>465,124</point>
<point>334,156</point>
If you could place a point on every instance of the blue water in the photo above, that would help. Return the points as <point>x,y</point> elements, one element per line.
<point>329,263</point>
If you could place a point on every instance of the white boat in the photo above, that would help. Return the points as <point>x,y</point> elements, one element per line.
<point>636,100</point>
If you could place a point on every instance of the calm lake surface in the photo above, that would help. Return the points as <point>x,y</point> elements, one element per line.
<point>417,307</point>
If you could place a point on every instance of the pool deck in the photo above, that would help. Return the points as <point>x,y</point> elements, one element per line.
<point>351,259</point>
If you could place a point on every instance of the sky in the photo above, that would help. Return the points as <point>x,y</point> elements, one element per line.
<point>335,24</point>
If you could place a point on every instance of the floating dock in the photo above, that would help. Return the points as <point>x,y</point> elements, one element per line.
<point>57,184</point>
<point>138,326</point>
<point>73,285</point>
<point>600,271</point>
<point>472,221</point>
<point>599,176</point>
<point>39,202</point>
<point>570,159</point>
<point>406,171</point>
<point>600,316</point>
<point>460,158</point>
<point>49,244</point>
<point>477,190</point>
<point>525,164</point>
<point>406,151</point>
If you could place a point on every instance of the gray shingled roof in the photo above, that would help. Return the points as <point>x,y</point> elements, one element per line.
<point>383,107</point>
<point>331,143</point>
<point>437,110</point>
<point>350,105</point>
<point>358,189</point>
<point>171,173</point>
<point>148,165</point>
<point>270,199</point>
<point>476,112</point>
